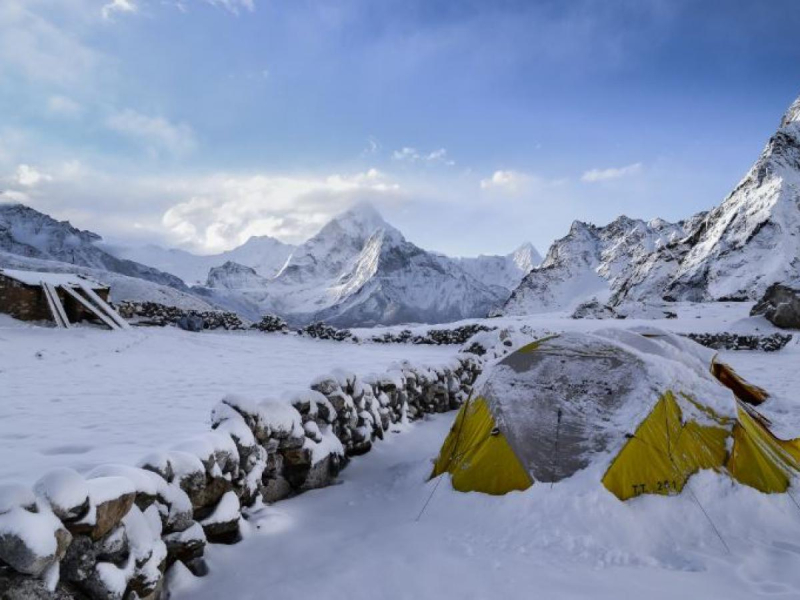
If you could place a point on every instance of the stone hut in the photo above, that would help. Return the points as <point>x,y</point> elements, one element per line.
<point>63,298</point>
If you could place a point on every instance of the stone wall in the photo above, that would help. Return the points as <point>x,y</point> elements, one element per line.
<point>115,532</point>
<point>735,341</point>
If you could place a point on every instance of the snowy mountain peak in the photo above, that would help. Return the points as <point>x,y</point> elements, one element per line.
<point>526,257</point>
<point>361,220</point>
<point>792,115</point>
<point>234,276</point>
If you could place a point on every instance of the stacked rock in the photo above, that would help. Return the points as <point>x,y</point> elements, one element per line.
<point>735,341</point>
<point>436,337</point>
<point>160,315</point>
<point>322,331</point>
<point>271,324</point>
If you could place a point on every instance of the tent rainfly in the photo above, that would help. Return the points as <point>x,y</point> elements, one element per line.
<point>63,298</point>
<point>655,408</point>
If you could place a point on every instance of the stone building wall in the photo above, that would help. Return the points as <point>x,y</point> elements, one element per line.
<point>28,302</point>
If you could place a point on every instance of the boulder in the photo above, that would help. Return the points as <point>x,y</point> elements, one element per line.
<point>187,545</point>
<point>275,489</point>
<point>191,322</point>
<point>296,465</point>
<point>110,500</point>
<point>205,498</point>
<point>79,561</point>
<point>780,305</point>
<point>30,542</point>
<point>222,525</point>
<point>114,548</point>
<point>594,309</point>
<point>66,492</point>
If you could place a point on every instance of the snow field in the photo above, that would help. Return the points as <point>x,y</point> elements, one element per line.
<point>85,397</point>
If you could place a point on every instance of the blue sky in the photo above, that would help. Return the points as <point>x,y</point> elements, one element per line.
<point>473,126</point>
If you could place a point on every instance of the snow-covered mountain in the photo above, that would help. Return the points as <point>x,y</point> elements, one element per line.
<point>503,271</point>
<point>264,254</point>
<point>734,251</point>
<point>359,270</point>
<point>740,248</point>
<point>587,263</point>
<point>233,276</point>
<point>123,287</point>
<point>29,233</point>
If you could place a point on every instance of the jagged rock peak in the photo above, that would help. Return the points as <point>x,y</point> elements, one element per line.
<point>232,275</point>
<point>792,115</point>
<point>362,219</point>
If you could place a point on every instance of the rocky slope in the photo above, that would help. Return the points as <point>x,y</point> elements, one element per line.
<point>29,233</point>
<point>587,263</point>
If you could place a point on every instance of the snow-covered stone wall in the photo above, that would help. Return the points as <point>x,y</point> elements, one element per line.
<point>115,532</point>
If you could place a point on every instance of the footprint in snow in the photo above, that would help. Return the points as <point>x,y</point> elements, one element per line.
<point>67,449</point>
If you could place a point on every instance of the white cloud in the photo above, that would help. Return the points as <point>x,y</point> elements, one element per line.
<point>373,146</point>
<point>411,155</point>
<point>506,181</point>
<point>223,211</point>
<point>234,6</point>
<point>28,176</point>
<point>37,47</point>
<point>13,196</point>
<point>63,106</point>
<point>154,132</point>
<point>595,175</point>
<point>117,6</point>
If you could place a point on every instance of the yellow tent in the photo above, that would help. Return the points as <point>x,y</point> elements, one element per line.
<point>655,407</point>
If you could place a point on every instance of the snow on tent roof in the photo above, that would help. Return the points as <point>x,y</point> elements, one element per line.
<point>56,279</point>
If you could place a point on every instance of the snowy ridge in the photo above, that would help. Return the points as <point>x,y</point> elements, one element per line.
<point>502,271</point>
<point>122,287</point>
<point>587,262</point>
<point>29,233</point>
<point>264,254</point>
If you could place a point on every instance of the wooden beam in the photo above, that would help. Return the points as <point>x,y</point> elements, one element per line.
<point>91,307</point>
<point>56,308</point>
<point>104,306</point>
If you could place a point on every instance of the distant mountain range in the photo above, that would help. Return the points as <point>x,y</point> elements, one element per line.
<point>359,270</point>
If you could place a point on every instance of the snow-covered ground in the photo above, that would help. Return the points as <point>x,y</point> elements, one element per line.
<point>87,396</point>
<point>84,397</point>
